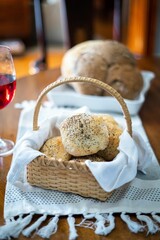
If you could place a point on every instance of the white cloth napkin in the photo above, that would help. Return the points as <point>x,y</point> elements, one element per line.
<point>123,168</point>
<point>133,155</point>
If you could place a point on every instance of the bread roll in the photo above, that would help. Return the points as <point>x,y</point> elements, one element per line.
<point>114,132</point>
<point>54,148</point>
<point>126,79</point>
<point>109,119</point>
<point>84,134</point>
<point>99,59</point>
<point>86,65</point>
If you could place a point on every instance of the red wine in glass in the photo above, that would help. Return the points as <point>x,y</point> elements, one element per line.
<point>7,91</point>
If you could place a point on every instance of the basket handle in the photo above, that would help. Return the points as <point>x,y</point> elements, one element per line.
<point>96,82</point>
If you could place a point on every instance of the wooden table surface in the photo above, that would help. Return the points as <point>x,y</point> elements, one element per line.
<point>28,88</point>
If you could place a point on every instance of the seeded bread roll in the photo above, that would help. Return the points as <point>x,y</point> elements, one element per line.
<point>114,132</point>
<point>84,134</point>
<point>94,59</point>
<point>54,148</point>
<point>109,119</point>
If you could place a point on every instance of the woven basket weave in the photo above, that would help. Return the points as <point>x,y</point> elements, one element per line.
<point>70,176</point>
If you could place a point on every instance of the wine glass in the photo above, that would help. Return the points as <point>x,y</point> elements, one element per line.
<point>7,91</point>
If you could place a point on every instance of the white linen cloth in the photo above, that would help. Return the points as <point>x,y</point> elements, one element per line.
<point>133,154</point>
<point>140,196</point>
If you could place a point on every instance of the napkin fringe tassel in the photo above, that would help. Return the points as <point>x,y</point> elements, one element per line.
<point>34,227</point>
<point>155,217</point>
<point>133,226</point>
<point>145,222</point>
<point>102,224</point>
<point>50,228</point>
<point>14,227</point>
<point>72,229</point>
<point>151,225</point>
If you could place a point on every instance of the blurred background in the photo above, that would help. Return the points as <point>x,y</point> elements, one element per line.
<point>47,28</point>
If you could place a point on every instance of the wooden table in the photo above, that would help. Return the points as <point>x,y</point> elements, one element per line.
<point>28,88</point>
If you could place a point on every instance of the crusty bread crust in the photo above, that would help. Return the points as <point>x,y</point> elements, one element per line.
<point>106,60</point>
<point>53,148</point>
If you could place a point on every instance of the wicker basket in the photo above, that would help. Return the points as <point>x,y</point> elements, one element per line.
<point>70,176</point>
